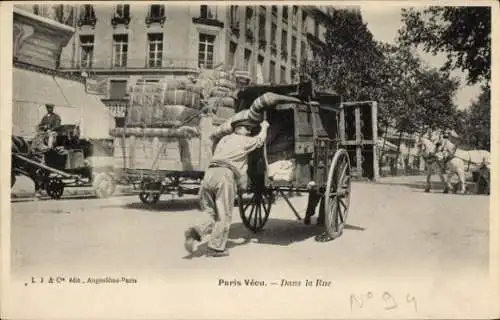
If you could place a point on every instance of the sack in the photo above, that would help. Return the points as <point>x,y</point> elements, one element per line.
<point>224,83</point>
<point>224,112</point>
<point>134,116</point>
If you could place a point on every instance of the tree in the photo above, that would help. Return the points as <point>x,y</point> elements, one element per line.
<point>348,63</point>
<point>463,33</point>
<point>475,123</point>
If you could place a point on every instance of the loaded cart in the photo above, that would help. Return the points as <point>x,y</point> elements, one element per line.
<point>304,152</point>
<point>164,146</point>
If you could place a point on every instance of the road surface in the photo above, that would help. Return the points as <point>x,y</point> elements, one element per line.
<point>396,234</point>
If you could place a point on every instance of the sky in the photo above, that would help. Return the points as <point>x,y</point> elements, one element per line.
<point>384,22</point>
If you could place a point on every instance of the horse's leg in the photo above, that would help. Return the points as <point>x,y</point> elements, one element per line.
<point>461,178</point>
<point>428,187</point>
<point>448,181</point>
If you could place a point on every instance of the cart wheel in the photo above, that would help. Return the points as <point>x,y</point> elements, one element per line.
<point>255,212</point>
<point>104,185</point>
<point>149,197</point>
<point>55,188</point>
<point>337,196</point>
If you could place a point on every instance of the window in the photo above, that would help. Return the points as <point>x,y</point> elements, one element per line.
<point>117,89</point>
<point>86,51</point>
<point>87,15</point>
<point>283,75</point>
<point>273,33</point>
<point>248,55</point>
<point>262,27</point>
<point>284,40</point>
<point>304,21</point>
<point>260,69</point>
<point>155,50</point>
<point>232,53</point>
<point>295,15</point>
<point>59,13</point>
<point>272,72</point>
<point>121,15</point>
<point>294,45</point>
<point>250,22</point>
<point>274,10</point>
<point>285,14</point>
<point>122,11</point>
<point>120,49</point>
<point>156,11</point>
<point>303,52</point>
<point>294,76</point>
<point>207,13</point>
<point>87,12</point>
<point>206,51</point>
<point>235,19</point>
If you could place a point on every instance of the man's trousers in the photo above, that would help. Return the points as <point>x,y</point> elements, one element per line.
<point>217,194</point>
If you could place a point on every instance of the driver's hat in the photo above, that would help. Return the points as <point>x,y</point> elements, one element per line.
<point>242,119</point>
<point>49,105</point>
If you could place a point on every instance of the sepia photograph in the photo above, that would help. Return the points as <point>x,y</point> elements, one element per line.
<point>249,160</point>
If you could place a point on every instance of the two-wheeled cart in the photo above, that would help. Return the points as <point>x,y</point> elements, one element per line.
<point>309,138</point>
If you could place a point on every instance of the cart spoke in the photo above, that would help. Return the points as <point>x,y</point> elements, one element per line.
<point>249,203</point>
<point>341,216</point>
<point>260,214</point>
<point>342,203</point>
<point>255,217</point>
<point>251,213</point>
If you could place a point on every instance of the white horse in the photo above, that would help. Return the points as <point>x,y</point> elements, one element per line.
<point>436,162</point>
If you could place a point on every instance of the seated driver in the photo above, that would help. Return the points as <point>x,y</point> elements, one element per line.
<point>48,123</point>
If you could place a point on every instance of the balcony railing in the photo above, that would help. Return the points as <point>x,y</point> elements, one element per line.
<point>284,54</point>
<point>249,35</point>
<point>87,20</point>
<point>117,107</point>
<point>150,19</point>
<point>116,20</point>
<point>133,65</point>
<point>235,29</point>
<point>262,44</point>
<point>209,18</point>
<point>274,49</point>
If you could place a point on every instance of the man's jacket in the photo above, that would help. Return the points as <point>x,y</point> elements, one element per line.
<point>50,121</point>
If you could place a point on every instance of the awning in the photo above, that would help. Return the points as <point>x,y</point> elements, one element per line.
<point>32,90</point>
<point>95,119</point>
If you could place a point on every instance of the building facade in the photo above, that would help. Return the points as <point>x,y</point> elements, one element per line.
<point>37,45</point>
<point>116,45</point>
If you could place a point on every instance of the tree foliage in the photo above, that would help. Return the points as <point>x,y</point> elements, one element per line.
<point>410,95</point>
<point>463,33</point>
<point>348,61</point>
<point>474,124</point>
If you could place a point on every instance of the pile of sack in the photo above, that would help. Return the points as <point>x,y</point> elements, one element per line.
<point>219,88</point>
<point>164,105</point>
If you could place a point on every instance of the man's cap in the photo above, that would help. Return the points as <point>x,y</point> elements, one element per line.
<point>49,105</point>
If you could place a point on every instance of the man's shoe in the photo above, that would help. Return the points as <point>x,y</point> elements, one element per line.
<point>211,253</point>
<point>191,239</point>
